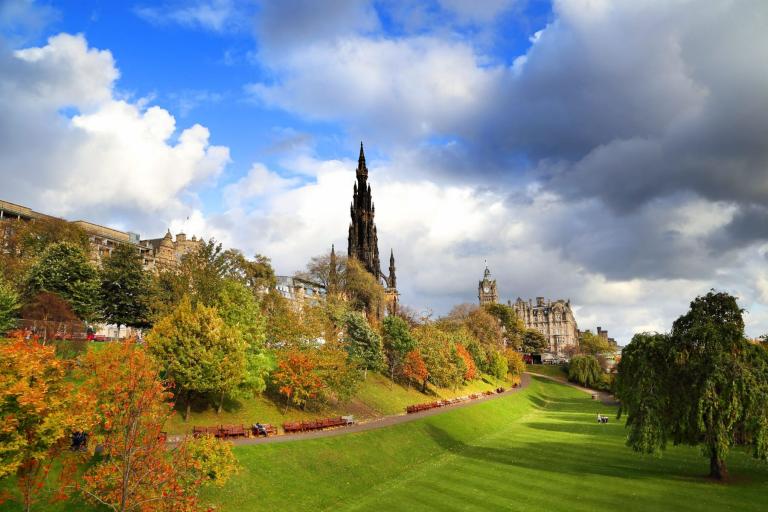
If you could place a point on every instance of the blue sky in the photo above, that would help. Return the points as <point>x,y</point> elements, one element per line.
<point>199,72</point>
<point>603,151</point>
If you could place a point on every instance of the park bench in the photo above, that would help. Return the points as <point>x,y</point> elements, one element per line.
<point>304,426</point>
<point>204,431</point>
<point>227,431</point>
<point>263,429</point>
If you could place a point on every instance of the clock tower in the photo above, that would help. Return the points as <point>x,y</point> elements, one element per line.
<point>486,289</point>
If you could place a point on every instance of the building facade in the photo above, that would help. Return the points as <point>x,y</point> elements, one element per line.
<point>363,240</point>
<point>553,319</point>
<point>156,254</point>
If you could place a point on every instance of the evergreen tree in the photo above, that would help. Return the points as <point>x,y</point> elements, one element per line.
<point>125,289</point>
<point>363,344</point>
<point>63,269</point>
<point>398,342</point>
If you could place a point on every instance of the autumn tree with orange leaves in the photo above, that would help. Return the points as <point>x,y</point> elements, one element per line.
<point>296,378</point>
<point>470,369</point>
<point>39,410</point>
<point>138,470</point>
<point>415,370</point>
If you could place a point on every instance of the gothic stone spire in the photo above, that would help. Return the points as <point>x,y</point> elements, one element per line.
<point>392,277</point>
<point>363,243</point>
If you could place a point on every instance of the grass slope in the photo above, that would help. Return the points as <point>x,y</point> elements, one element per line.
<point>540,449</point>
<point>378,396</point>
<point>552,370</point>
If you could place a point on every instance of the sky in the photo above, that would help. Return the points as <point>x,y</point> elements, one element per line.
<point>612,153</point>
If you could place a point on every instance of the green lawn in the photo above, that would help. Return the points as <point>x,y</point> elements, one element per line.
<point>552,370</point>
<point>540,449</point>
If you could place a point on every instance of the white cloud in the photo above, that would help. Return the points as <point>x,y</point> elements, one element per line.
<point>393,89</point>
<point>216,15</point>
<point>111,159</point>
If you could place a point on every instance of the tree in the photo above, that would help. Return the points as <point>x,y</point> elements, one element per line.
<point>499,365</point>
<point>593,344</point>
<point>24,242</point>
<point>257,274</point>
<point>415,370</point>
<point>240,310</point>
<point>437,351</point>
<point>200,353</point>
<point>125,289</point>
<point>63,269</point>
<point>534,342</point>
<point>703,384</point>
<point>319,270</point>
<point>363,343</point>
<point>363,289</point>
<point>470,370</point>
<point>512,326</point>
<point>585,370</point>
<point>398,342</point>
<point>139,471</point>
<point>515,363</point>
<point>39,409</point>
<point>296,379</point>
<point>53,313</point>
<point>9,306</point>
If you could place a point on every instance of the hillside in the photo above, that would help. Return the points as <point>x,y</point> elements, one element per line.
<point>378,396</point>
<point>540,449</point>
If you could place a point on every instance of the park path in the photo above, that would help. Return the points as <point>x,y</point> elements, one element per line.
<point>604,397</point>
<point>386,421</point>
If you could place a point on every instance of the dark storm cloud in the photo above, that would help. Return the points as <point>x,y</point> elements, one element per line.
<point>748,225</point>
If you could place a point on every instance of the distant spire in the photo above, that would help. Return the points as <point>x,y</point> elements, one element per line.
<point>362,170</point>
<point>333,278</point>
<point>392,281</point>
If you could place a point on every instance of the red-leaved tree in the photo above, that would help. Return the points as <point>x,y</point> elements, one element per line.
<point>415,370</point>
<point>296,378</point>
<point>471,368</point>
<point>137,471</point>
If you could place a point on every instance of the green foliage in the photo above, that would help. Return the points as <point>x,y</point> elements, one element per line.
<point>585,370</point>
<point>212,460</point>
<point>363,343</point>
<point>499,365</point>
<point>199,351</point>
<point>513,327</point>
<point>703,384</point>
<point>63,269</point>
<point>534,342</point>
<point>397,341</point>
<point>593,344</point>
<point>125,288</point>
<point>439,356</point>
<point>9,306</point>
<point>362,289</point>
<point>240,310</point>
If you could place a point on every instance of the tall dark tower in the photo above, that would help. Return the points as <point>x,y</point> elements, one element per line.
<point>392,281</point>
<point>363,242</point>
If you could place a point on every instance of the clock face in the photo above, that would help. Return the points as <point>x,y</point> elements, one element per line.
<point>486,288</point>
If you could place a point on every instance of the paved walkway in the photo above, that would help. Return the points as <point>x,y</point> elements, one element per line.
<point>605,397</point>
<point>386,421</point>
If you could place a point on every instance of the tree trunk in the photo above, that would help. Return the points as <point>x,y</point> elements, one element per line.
<point>717,468</point>
<point>221,403</point>
<point>188,404</point>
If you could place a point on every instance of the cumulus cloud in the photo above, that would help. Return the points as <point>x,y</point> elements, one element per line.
<point>71,146</point>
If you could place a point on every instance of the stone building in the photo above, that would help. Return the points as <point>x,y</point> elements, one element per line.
<point>553,319</point>
<point>300,291</point>
<point>486,289</point>
<point>363,240</point>
<point>156,254</point>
